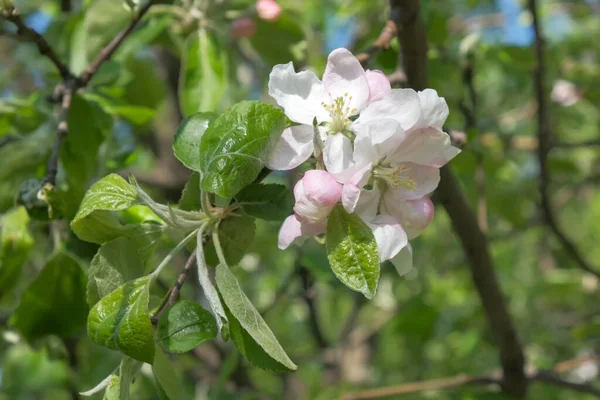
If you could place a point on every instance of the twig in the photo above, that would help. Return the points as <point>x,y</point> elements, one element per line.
<point>11,14</point>
<point>397,77</point>
<point>545,145</point>
<point>413,39</point>
<point>107,52</point>
<point>494,377</point>
<point>174,295</point>
<point>63,131</point>
<point>415,387</point>
<point>309,297</point>
<point>381,43</point>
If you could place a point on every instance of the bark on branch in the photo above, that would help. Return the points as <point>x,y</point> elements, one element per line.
<point>413,39</point>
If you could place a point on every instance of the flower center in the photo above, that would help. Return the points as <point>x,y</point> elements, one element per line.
<point>340,114</point>
<point>395,176</point>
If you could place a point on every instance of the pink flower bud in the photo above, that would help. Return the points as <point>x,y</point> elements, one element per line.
<point>316,195</point>
<point>243,27</point>
<point>268,10</point>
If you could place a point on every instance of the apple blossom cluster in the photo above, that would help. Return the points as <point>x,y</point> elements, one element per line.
<point>378,152</point>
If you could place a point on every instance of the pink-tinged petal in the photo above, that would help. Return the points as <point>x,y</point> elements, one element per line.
<point>379,85</point>
<point>300,94</point>
<point>337,154</point>
<point>426,146</point>
<point>268,10</point>
<point>401,105</point>
<point>403,261</point>
<point>414,215</point>
<point>425,180</point>
<point>368,204</point>
<point>316,194</point>
<point>376,139</point>
<point>344,76</point>
<point>295,146</point>
<point>321,187</point>
<point>434,109</point>
<point>389,235</point>
<point>353,186</point>
<point>292,230</point>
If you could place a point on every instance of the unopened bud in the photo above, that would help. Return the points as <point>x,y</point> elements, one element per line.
<point>243,27</point>
<point>268,10</point>
<point>316,195</point>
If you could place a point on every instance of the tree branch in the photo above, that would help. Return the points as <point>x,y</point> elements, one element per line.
<point>413,39</point>
<point>381,43</point>
<point>545,145</point>
<point>309,297</point>
<point>107,52</point>
<point>63,131</point>
<point>174,295</point>
<point>11,14</point>
<point>494,377</point>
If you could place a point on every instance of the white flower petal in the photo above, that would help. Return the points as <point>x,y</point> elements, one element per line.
<point>376,139</point>
<point>292,230</point>
<point>344,75</point>
<point>300,94</point>
<point>295,146</point>
<point>389,235</point>
<point>413,215</point>
<point>379,85</point>
<point>368,204</point>
<point>434,109</point>
<point>353,187</point>
<point>426,180</point>
<point>426,146</point>
<point>403,261</point>
<point>337,154</point>
<point>401,105</point>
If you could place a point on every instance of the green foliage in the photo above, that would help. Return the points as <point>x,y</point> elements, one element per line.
<point>186,144</point>
<point>167,377</point>
<point>271,202</point>
<point>54,303</point>
<point>184,326</point>
<point>276,41</point>
<point>250,320</point>
<point>352,252</point>
<point>204,76</point>
<point>121,320</point>
<point>15,243</point>
<point>236,234</point>
<point>234,148</point>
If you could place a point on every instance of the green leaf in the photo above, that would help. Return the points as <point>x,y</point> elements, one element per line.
<point>271,202</point>
<point>184,326</point>
<point>352,252</point>
<point>116,262</point>
<point>121,320</point>
<point>186,144</point>
<point>136,114</point>
<point>168,376</point>
<point>276,41</point>
<point>235,146</point>
<point>249,348</point>
<point>236,234</point>
<point>54,303</point>
<point>203,81</point>
<point>15,244</point>
<point>190,197</point>
<point>111,193</point>
<point>249,318</point>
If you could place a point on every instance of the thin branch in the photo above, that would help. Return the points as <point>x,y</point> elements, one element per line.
<point>309,297</point>
<point>577,145</point>
<point>422,386</point>
<point>11,14</point>
<point>381,43</point>
<point>413,39</point>
<point>174,295</point>
<point>107,52</point>
<point>494,377</point>
<point>63,131</point>
<point>545,145</point>
<point>553,379</point>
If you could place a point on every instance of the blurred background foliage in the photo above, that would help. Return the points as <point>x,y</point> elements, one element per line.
<point>428,324</point>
